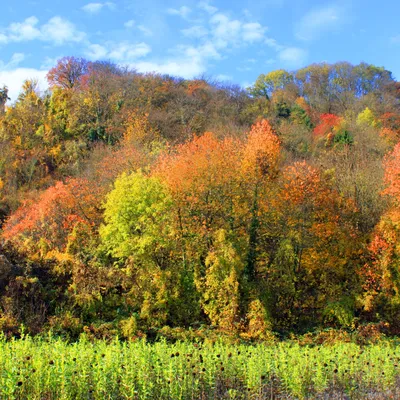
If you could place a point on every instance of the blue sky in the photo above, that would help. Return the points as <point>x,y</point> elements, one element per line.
<point>233,41</point>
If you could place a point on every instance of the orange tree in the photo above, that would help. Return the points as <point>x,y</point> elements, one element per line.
<point>313,246</point>
<point>209,230</point>
<point>48,223</point>
<point>381,274</point>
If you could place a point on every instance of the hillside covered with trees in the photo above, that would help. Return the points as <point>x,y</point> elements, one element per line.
<point>139,204</point>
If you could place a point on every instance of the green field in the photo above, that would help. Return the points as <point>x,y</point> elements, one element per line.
<point>53,369</point>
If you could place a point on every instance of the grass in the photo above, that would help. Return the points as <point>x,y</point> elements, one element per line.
<point>53,369</point>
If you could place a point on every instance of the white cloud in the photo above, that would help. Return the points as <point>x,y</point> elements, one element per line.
<point>205,6</point>
<point>205,51</point>
<point>270,42</point>
<point>50,62</point>
<point>14,79</point>
<point>60,31</point>
<point>182,11</point>
<point>110,5</point>
<point>57,30</point>
<point>224,29</point>
<point>185,68</point>
<point>253,31</point>
<point>123,52</point>
<point>13,76</point>
<point>187,61</point>
<point>195,32</point>
<point>293,57</point>
<point>16,59</point>
<point>130,23</point>
<point>220,36</point>
<point>94,8</point>
<point>232,31</point>
<point>96,52</point>
<point>22,31</point>
<point>320,20</point>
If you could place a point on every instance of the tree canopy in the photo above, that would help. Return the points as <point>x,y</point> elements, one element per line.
<point>167,204</point>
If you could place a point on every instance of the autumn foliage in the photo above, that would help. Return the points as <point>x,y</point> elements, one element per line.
<point>392,173</point>
<point>52,218</point>
<point>328,123</point>
<point>138,204</point>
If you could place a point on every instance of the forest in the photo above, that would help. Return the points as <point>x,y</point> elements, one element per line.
<point>145,205</point>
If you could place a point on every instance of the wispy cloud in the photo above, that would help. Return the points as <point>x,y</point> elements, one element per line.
<point>15,60</point>
<point>56,30</point>
<point>208,36</point>
<point>227,31</point>
<point>217,34</point>
<point>197,31</point>
<point>205,51</point>
<point>224,29</point>
<point>293,57</point>
<point>123,52</point>
<point>271,42</point>
<point>146,31</point>
<point>181,12</point>
<point>207,7</point>
<point>130,23</point>
<point>59,31</point>
<point>23,31</point>
<point>320,20</point>
<point>186,68</point>
<point>253,31</point>
<point>96,51</point>
<point>50,62</point>
<point>94,8</point>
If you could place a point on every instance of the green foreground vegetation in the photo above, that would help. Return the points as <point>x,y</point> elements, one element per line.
<point>53,369</point>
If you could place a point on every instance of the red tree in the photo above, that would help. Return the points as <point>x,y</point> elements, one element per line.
<point>67,73</point>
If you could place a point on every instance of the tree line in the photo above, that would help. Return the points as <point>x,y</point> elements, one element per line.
<point>141,203</point>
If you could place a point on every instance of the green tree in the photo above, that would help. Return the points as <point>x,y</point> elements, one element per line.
<point>265,85</point>
<point>3,99</point>
<point>137,213</point>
